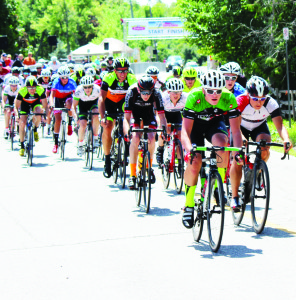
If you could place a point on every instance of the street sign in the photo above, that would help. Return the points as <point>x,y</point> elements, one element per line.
<point>286,33</point>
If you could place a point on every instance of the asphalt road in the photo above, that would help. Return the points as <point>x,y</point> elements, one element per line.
<point>69,233</point>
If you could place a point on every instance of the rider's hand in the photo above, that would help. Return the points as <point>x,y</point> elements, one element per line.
<point>239,157</point>
<point>104,123</point>
<point>127,138</point>
<point>288,146</point>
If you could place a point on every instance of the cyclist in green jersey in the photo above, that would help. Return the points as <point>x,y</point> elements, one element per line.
<point>176,73</point>
<point>203,118</point>
<point>190,79</point>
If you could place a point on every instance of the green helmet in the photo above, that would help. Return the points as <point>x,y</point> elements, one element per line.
<point>121,62</point>
<point>189,72</point>
<point>31,81</point>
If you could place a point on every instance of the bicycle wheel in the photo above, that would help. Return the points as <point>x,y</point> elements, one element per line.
<point>215,211</point>
<point>260,196</point>
<point>198,221</point>
<point>122,160</point>
<point>30,144</point>
<point>178,166</point>
<point>100,152</point>
<point>86,147</point>
<point>63,141</point>
<point>114,160</point>
<point>138,189</point>
<point>165,171</point>
<point>11,130</point>
<point>146,173</point>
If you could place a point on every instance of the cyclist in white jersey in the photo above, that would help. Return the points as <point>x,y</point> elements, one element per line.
<point>86,97</point>
<point>174,100</point>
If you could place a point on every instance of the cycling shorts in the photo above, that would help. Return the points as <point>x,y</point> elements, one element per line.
<point>174,117</point>
<point>60,103</point>
<point>263,128</point>
<point>85,106</point>
<point>113,108</point>
<point>26,107</point>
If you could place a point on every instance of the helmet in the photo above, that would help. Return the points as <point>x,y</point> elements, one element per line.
<point>152,71</point>
<point>104,64</point>
<point>231,68</point>
<point>189,72</point>
<point>31,81</point>
<point>45,73</point>
<point>54,76</point>
<point>174,85</point>
<point>13,80</point>
<point>121,62</point>
<point>38,66</point>
<point>110,57</point>
<point>15,70</point>
<point>53,58</point>
<point>34,72</point>
<point>71,66</point>
<point>80,72</point>
<point>86,66</point>
<point>90,72</point>
<point>86,80</point>
<point>63,71</point>
<point>26,70</point>
<point>213,79</point>
<point>146,83</point>
<point>103,74</point>
<point>177,71</point>
<point>199,73</point>
<point>257,86</point>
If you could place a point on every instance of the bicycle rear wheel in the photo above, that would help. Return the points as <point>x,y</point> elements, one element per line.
<point>260,196</point>
<point>138,189</point>
<point>100,152</point>
<point>146,176</point>
<point>30,144</point>
<point>11,130</point>
<point>215,211</point>
<point>63,141</point>
<point>122,160</point>
<point>178,166</point>
<point>198,221</point>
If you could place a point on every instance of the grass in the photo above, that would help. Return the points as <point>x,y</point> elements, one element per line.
<point>276,138</point>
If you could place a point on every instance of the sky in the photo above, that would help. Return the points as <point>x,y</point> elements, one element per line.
<point>152,2</point>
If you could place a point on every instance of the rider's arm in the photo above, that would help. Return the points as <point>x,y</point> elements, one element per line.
<point>187,125</point>
<point>51,97</point>
<point>236,133</point>
<point>44,102</point>
<point>4,98</point>
<point>126,122</point>
<point>102,103</point>
<point>278,122</point>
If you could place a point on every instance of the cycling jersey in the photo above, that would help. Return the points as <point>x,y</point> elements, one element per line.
<point>196,84</point>
<point>238,90</point>
<point>10,94</point>
<point>80,95</point>
<point>63,91</point>
<point>42,83</point>
<point>169,105</point>
<point>201,111</point>
<point>252,118</point>
<point>116,90</point>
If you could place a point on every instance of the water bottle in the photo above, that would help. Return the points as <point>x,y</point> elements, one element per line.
<point>140,158</point>
<point>170,149</point>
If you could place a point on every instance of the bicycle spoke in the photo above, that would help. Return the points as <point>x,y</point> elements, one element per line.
<point>178,166</point>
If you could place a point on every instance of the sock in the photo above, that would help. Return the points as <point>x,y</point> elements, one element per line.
<point>80,143</point>
<point>133,170</point>
<point>22,145</point>
<point>222,172</point>
<point>56,138</point>
<point>107,159</point>
<point>34,128</point>
<point>189,194</point>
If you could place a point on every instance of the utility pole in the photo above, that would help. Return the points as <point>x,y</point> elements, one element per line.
<point>132,12</point>
<point>155,44</point>
<point>286,38</point>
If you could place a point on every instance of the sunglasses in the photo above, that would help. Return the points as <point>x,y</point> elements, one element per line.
<point>189,78</point>
<point>88,87</point>
<point>31,87</point>
<point>26,73</point>
<point>212,92</point>
<point>121,71</point>
<point>230,78</point>
<point>146,92</point>
<point>64,77</point>
<point>13,86</point>
<point>258,99</point>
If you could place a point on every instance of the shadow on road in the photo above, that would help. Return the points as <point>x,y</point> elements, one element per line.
<point>155,211</point>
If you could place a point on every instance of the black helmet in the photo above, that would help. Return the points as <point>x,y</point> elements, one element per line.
<point>146,83</point>
<point>34,72</point>
<point>121,62</point>
<point>257,86</point>
<point>177,71</point>
<point>31,81</point>
<point>110,58</point>
<point>27,70</point>
<point>15,70</point>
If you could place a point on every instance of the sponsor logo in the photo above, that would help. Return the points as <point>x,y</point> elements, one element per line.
<point>138,27</point>
<point>231,106</point>
<point>198,101</point>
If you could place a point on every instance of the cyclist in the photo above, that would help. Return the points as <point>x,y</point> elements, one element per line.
<point>255,107</point>
<point>139,102</point>
<point>174,101</point>
<point>15,71</point>
<point>9,94</point>
<point>176,73</point>
<point>60,97</point>
<point>31,96</point>
<point>26,72</point>
<point>44,79</point>
<point>154,72</point>
<point>110,62</point>
<point>91,72</point>
<point>190,79</point>
<point>78,74</point>
<point>86,98</point>
<point>203,118</point>
<point>113,90</point>
<point>71,67</point>
<point>38,67</point>
<point>54,64</point>
<point>104,66</point>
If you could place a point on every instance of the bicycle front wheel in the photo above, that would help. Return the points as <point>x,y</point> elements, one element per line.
<point>122,160</point>
<point>260,196</point>
<point>30,144</point>
<point>63,141</point>
<point>215,211</point>
<point>12,126</point>
<point>198,221</point>
<point>100,152</point>
<point>138,189</point>
<point>146,176</point>
<point>178,166</point>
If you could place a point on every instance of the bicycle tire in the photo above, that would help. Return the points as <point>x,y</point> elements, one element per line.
<point>63,141</point>
<point>260,196</point>
<point>30,145</point>
<point>146,174</point>
<point>122,159</point>
<point>165,170</point>
<point>91,148</point>
<point>198,222</point>
<point>215,212</point>
<point>114,159</point>
<point>11,130</point>
<point>138,189</point>
<point>178,167</point>
<point>100,152</point>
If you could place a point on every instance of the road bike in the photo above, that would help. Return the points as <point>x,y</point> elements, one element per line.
<point>210,206</point>
<point>143,182</point>
<point>254,187</point>
<point>100,150</point>
<point>11,125</point>
<point>63,135</point>
<point>89,147</point>
<point>173,159</point>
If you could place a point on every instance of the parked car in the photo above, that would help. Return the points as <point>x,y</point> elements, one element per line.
<point>174,60</point>
<point>191,64</point>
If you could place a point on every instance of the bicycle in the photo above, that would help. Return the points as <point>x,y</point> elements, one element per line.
<point>143,182</point>
<point>211,208</point>
<point>100,151</point>
<point>11,125</point>
<point>29,137</point>
<point>89,145</point>
<point>254,187</point>
<point>118,151</point>
<point>173,160</point>
<point>63,139</point>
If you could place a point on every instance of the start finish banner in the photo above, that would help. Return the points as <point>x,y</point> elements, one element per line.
<point>155,28</point>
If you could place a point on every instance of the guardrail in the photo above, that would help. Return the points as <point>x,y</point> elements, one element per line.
<point>282,98</point>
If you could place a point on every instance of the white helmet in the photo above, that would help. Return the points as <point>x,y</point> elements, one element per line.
<point>230,68</point>
<point>213,79</point>
<point>45,73</point>
<point>13,80</point>
<point>54,58</point>
<point>175,85</point>
<point>63,71</point>
<point>54,76</point>
<point>87,80</point>
<point>90,72</point>
<point>257,86</point>
<point>152,71</point>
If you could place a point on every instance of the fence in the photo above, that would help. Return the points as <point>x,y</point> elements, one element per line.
<point>282,98</point>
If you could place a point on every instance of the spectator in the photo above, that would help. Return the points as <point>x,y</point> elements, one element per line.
<point>3,71</point>
<point>54,64</point>
<point>17,61</point>
<point>8,61</point>
<point>3,58</point>
<point>29,61</point>
<point>70,60</point>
